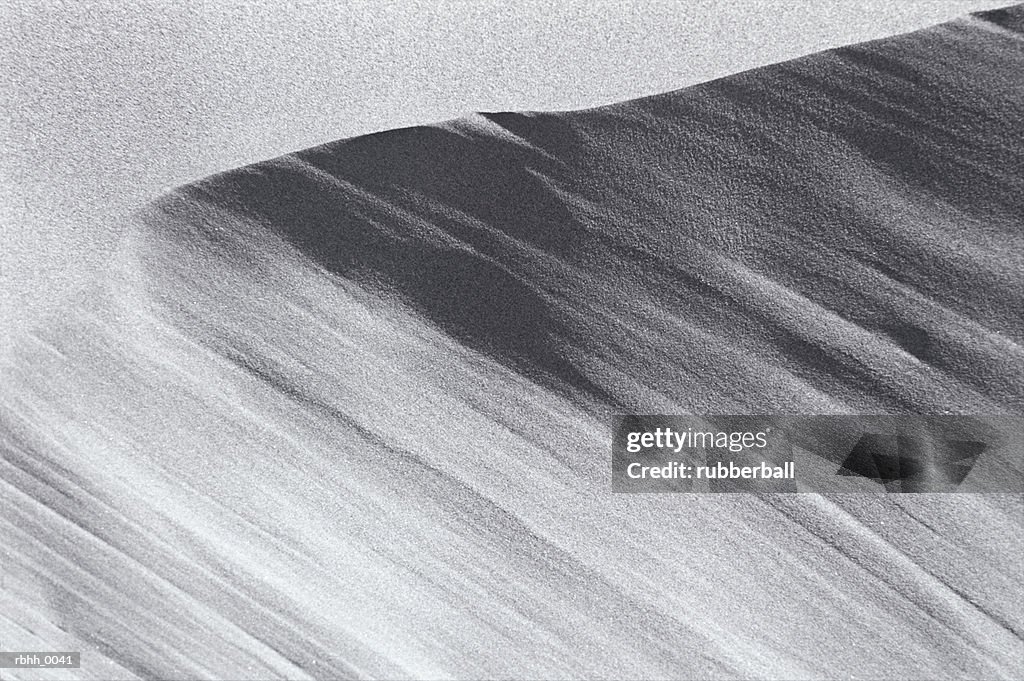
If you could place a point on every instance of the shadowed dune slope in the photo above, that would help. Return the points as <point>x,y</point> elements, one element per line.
<point>848,223</point>
<point>344,413</point>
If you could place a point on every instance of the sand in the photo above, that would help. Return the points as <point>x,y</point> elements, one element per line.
<point>345,413</point>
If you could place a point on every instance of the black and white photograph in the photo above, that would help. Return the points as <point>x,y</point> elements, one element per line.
<point>521,340</point>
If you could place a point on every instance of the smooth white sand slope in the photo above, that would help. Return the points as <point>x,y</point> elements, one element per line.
<point>345,413</point>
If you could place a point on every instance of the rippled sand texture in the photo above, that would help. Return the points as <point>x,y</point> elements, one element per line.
<point>344,413</point>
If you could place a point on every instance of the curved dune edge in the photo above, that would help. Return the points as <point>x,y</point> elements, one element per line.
<point>343,413</point>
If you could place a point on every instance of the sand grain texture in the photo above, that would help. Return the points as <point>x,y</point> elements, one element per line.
<point>344,414</point>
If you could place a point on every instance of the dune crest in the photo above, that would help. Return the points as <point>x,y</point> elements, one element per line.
<point>849,219</point>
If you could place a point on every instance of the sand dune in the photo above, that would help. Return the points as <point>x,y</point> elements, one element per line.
<point>345,413</point>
